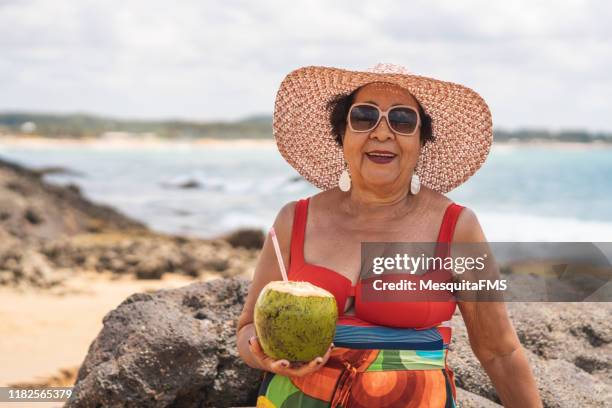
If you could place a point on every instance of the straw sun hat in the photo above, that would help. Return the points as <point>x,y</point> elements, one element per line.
<point>461,124</point>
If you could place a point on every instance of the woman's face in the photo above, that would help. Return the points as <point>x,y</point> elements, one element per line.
<point>366,170</point>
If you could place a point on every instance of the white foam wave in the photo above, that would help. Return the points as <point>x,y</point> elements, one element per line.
<point>514,227</point>
<point>235,220</point>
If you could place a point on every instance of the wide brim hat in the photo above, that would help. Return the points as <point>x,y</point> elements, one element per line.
<point>461,124</point>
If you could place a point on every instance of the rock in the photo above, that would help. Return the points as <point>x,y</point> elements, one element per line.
<point>74,188</point>
<point>32,216</point>
<point>189,184</point>
<point>48,170</point>
<point>170,348</point>
<point>6,277</point>
<point>557,339</point>
<point>145,255</point>
<point>216,264</point>
<point>34,209</point>
<point>193,183</point>
<point>562,384</point>
<point>152,268</point>
<point>177,348</point>
<point>35,267</point>
<point>579,333</point>
<point>466,399</point>
<point>26,267</point>
<point>246,238</point>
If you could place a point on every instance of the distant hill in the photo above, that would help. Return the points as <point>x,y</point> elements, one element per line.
<point>252,127</point>
<point>85,125</point>
<point>578,136</point>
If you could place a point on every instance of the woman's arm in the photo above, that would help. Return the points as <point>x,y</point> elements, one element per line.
<point>492,336</point>
<point>267,270</point>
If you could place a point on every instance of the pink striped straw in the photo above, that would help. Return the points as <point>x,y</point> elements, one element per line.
<point>279,257</point>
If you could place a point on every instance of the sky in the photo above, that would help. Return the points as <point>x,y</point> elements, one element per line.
<point>538,64</point>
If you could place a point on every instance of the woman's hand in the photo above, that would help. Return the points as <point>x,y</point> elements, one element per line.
<point>284,367</point>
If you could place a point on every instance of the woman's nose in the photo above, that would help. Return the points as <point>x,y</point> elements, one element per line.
<point>382,131</point>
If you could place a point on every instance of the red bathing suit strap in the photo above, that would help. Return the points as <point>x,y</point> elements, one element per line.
<point>447,229</point>
<point>299,231</point>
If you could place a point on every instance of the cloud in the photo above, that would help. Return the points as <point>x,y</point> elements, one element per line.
<point>536,63</point>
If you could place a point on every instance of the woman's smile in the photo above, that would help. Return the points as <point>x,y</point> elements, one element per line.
<point>381,156</point>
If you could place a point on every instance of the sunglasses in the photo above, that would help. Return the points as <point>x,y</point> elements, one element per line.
<point>402,119</point>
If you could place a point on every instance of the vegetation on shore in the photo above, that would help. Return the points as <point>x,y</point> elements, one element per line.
<point>89,126</point>
<point>255,127</point>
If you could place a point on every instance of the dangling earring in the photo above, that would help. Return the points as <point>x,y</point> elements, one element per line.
<point>345,181</point>
<point>415,184</point>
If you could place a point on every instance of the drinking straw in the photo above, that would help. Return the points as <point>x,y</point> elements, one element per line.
<point>279,257</point>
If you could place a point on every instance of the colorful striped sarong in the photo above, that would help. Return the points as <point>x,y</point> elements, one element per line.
<point>371,366</point>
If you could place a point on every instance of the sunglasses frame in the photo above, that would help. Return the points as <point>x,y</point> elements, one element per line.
<point>384,114</point>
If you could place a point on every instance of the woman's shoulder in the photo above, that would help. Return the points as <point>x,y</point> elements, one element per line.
<point>324,199</point>
<point>283,224</point>
<point>467,228</point>
<point>433,200</point>
<point>285,214</point>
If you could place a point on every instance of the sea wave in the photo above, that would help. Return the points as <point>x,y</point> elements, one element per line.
<point>521,194</point>
<point>516,227</point>
<point>498,227</point>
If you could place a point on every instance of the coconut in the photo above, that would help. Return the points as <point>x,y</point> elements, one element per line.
<point>295,321</point>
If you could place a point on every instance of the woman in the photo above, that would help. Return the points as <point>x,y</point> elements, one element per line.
<point>383,146</point>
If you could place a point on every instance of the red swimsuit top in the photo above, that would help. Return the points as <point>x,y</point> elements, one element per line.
<point>417,314</point>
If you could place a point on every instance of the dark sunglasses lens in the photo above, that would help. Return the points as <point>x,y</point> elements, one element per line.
<point>363,117</point>
<point>403,120</point>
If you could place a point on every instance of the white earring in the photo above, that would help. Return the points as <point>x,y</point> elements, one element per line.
<point>345,181</point>
<point>415,184</point>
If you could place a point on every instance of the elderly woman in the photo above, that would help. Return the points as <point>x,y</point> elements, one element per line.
<point>383,145</point>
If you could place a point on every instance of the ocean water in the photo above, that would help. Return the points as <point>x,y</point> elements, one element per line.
<point>530,193</point>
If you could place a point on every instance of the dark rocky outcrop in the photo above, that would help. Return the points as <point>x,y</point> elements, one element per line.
<point>31,208</point>
<point>144,256</point>
<point>560,340</point>
<point>177,348</point>
<point>466,399</point>
<point>170,348</point>
<point>48,232</point>
<point>26,267</point>
<point>149,256</point>
<point>249,238</point>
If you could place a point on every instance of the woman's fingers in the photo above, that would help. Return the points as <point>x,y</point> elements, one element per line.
<point>268,362</point>
<point>258,351</point>
<point>279,365</point>
<point>328,352</point>
<point>308,368</point>
<point>284,367</point>
<point>256,348</point>
<point>311,366</point>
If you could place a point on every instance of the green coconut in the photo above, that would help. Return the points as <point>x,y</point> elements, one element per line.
<point>295,321</point>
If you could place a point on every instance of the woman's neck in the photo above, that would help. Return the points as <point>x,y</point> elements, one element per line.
<point>370,205</point>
